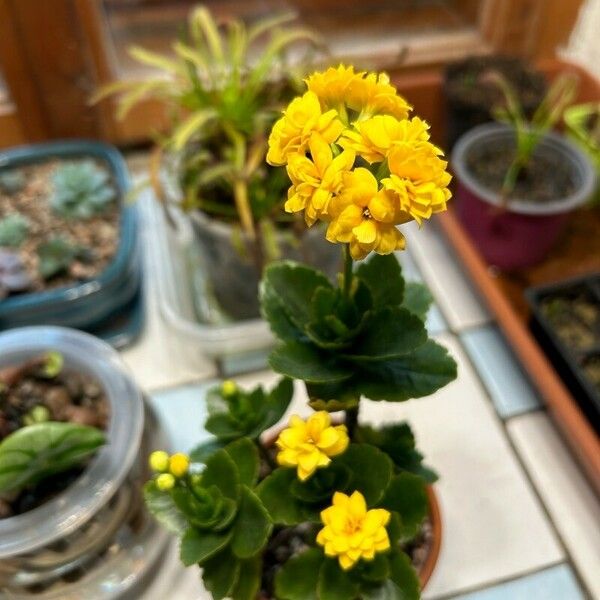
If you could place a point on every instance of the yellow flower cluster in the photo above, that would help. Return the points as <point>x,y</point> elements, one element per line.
<point>357,161</point>
<point>168,467</point>
<point>308,445</point>
<point>351,531</point>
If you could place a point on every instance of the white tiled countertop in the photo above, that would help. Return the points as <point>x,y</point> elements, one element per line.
<point>520,521</point>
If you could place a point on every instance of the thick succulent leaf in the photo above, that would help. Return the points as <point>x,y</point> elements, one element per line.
<point>222,472</point>
<point>248,584</point>
<point>407,496</point>
<point>320,488</point>
<point>398,442</point>
<point>331,397</point>
<point>33,453</point>
<point>202,452</point>
<point>275,493</point>
<point>294,284</point>
<point>198,546</point>
<point>419,374</point>
<point>162,507</point>
<point>334,583</point>
<point>252,527</point>
<point>389,333</point>
<point>383,276</point>
<point>417,299</point>
<point>244,454</point>
<point>303,361</point>
<point>403,574</point>
<point>274,312</point>
<point>298,577</point>
<point>220,574</point>
<point>376,570</point>
<point>371,471</point>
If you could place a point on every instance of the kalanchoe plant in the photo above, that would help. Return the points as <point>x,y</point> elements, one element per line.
<point>338,501</point>
<point>81,190</point>
<point>13,230</point>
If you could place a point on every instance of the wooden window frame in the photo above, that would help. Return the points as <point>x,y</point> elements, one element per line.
<point>50,83</point>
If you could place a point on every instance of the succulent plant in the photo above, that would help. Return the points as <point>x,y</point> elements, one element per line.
<point>13,230</point>
<point>56,255</point>
<point>81,190</point>
<point>13,276</point>
<point>12,181</point>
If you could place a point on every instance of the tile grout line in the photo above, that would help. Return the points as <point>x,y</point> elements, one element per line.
<point>503,422</point>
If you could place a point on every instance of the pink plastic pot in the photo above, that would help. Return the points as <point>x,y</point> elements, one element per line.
<point>523,233</point>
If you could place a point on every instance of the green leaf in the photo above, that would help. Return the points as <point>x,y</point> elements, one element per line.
<point>303,361</point>
<point>220,574</point>
<point>404,576</point>
<point>383,276</point>
<point>248,584</point>
<point>55,256</point>
<point>244,454</point>
<point>38,451</point>
<point>322,485</point>
<point>252,525</point>
<point>334,583</point>
<point>389,333</point>
<point>274,493</point>
<point>202,452</point>
<point>417,299</point>
<point>221,472</point>
<point>377,569</point>
<point>161,506</point>
<point>298,577</point>
<point>198,546</point>
<point>419,374</point>
<point>407,496</point>
<point>273,310</point>
<point>278,401</point>
<point>190,126</point>
<point>294,284</point>
<point>398,442</point>
<point>371,471</point>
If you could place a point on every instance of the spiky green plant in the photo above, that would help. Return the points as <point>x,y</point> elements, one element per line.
<point>225,88</point>
<point>81,190</point>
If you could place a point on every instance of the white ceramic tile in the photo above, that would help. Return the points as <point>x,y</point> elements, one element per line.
<point>570,501</point>
<point>160,358</point>
<point>489,511</point>
<point>449,284</point>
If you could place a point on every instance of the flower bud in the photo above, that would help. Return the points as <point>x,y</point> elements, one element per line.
<point>159,461</point>
<point>179,464</point>
<point>165,482</point>
<point>228,388</point>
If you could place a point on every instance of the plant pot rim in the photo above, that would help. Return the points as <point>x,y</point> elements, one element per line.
<point>77,293</point>
<point>70,509</point>
<point>490,133</point>
<point>435,515</point>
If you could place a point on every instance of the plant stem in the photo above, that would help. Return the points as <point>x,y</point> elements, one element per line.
<point>352,420</point>
<point>347,271</point>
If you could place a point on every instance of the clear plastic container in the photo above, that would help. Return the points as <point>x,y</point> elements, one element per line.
<point>184,299</point>
<point>94,540</point>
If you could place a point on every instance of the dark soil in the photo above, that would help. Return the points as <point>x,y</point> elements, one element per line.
<point>99,234</point>
<point>575,319</point>
<point>69,397</point>
<point>469,85</point>
<point>543,180</point>
<point>286,542</point>
<point>591,368</point>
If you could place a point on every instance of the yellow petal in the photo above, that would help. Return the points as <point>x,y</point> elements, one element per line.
<point>366,232</point>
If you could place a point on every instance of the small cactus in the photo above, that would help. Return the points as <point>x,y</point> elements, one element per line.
<point>13,230</point>
<point>13,275</point>
<point>81,190</point>
<point>12,181</point>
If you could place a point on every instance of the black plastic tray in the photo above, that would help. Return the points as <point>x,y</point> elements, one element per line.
<point>568,361</point>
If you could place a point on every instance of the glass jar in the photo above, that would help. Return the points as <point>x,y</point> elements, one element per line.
<point>95,539</point>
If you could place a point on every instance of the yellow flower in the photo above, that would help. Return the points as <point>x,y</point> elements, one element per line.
<point>418,179</point>
<point>372,139</point>
<point>159,461</point>
<point>165,482</point>
<point>309,444</point>
<point>179,464</point>
<point>365,217</point>
<point>292,132</point>
<point>374,94</point>
<point>315,181</point>
<point>331,86</point>
<point>351,531</point>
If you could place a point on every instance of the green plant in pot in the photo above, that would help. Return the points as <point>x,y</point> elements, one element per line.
<point>225,87</point>
<point>519,181</point>
<point>330,508</point>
